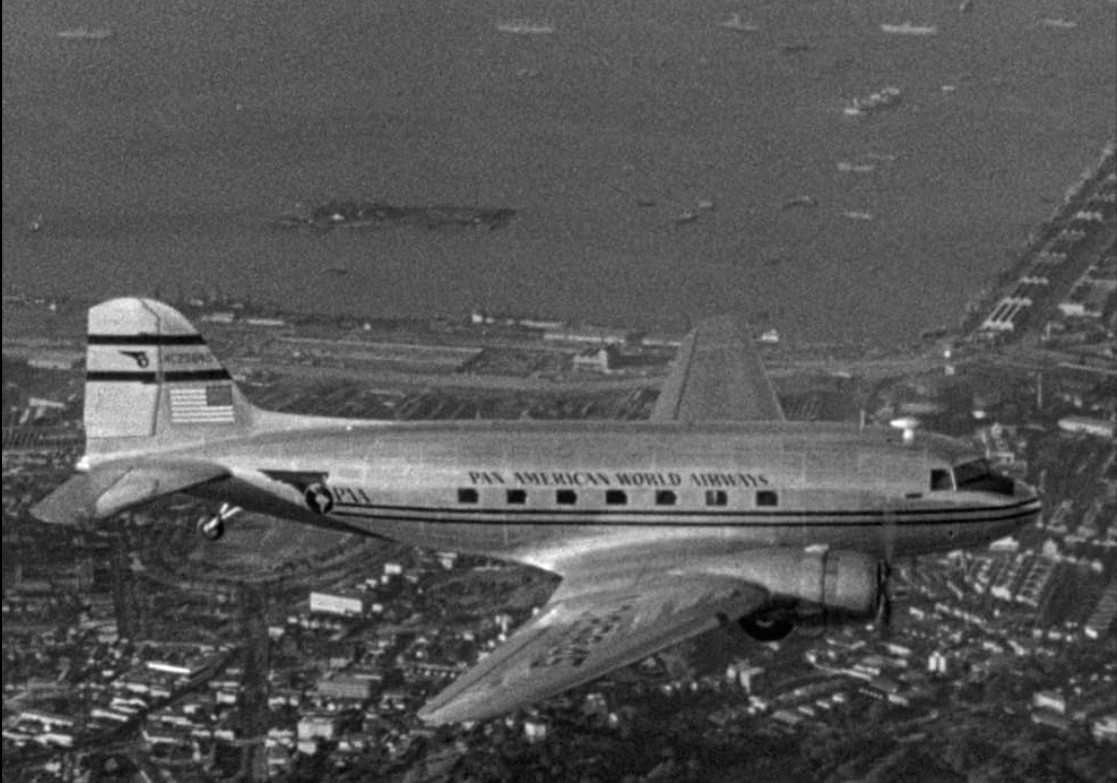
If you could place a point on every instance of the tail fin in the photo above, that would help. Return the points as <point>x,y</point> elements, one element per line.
<point>152,387</point>
<point>152,382</point>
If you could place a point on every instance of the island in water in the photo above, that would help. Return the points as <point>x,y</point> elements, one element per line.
<point>372,214</point>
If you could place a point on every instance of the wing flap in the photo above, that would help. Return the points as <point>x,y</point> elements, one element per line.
<point>578,638</point>
<point>717,376</point>
<point>113,487</point>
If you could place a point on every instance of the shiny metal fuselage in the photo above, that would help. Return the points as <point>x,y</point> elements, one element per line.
<point>549,493</point>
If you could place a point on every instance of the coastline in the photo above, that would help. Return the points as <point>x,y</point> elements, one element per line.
<point>601,137</point>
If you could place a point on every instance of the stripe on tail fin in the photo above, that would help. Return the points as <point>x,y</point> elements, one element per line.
<point>151,376</point>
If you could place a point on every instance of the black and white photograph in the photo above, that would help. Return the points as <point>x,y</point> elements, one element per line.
<point>455,391</point>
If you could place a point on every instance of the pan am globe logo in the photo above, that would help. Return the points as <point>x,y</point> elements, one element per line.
<point>319,498</point>
<point>311,484</point>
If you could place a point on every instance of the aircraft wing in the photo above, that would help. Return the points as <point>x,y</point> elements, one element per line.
<point>717,376</point>
<point>584,632</point>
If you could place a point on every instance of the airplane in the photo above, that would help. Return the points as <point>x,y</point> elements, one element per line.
<point>715,512</point>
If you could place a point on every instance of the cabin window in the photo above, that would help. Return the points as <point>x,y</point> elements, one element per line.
<point>516,497</point>
<point>665,497</point>
<point>940,480</point>
<point>467,495</point>
<point>566,497</point>
<point>767,498</point>
<point>717,497</point>
<point>616,497</point>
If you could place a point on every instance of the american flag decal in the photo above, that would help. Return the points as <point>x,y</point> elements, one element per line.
<point>211,404</point>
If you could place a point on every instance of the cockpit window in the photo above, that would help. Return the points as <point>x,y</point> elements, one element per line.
<point>971,472</point>
<point>977,476</point>
<point>940,480</point>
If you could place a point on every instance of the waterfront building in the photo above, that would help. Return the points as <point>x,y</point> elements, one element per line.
<point>1087,425</point>
<point>336,603</point>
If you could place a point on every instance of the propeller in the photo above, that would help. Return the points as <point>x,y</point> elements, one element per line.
<point>884,598</point>
<point>228,511</point>
<point>908,426</point>
<point>212,528</point>
<point>884,573</point>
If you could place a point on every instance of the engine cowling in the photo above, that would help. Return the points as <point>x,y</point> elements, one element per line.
<point>847,582</point>
<point>835,582</point>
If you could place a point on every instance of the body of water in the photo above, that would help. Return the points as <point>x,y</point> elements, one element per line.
<point>156,158</point>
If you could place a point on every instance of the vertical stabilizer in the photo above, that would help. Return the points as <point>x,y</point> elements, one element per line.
<point>151,382</point>
<point>717,376</point>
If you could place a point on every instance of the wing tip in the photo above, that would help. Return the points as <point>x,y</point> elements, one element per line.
<point>434,713</point>
<point>432,717</point>
<point>69,505</point>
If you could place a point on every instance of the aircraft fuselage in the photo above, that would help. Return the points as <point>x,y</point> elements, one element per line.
<point>557,493</point>
<point>714,510</point>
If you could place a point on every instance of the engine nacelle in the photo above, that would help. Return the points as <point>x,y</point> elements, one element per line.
<point>839,582</point>
<point>848,582</point>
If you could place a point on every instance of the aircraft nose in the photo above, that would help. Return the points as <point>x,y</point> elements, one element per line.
<point>1024,491</point>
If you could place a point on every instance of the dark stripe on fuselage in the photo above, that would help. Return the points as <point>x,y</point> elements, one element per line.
<point>735,519</point>
<point>145,339</point>
<point>140,376</point>
<point>675,512</point>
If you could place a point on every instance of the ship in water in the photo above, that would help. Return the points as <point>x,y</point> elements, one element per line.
<point>878,101</point>
<point>848,167</point>
<point>522,27</point>
<point>735,24</point>
<point>86,34</point>
<point>907,28</point>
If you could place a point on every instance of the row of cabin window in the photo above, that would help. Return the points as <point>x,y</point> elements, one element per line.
<point>618,497</point>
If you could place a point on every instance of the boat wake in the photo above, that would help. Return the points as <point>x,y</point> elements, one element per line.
<point>526,28</point>
<point>86,34</point>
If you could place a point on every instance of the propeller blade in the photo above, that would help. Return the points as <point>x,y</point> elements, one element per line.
<point>884,598</point>
<point>228,511</point>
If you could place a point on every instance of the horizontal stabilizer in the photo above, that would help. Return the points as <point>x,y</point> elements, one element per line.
<point>114,487</point>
